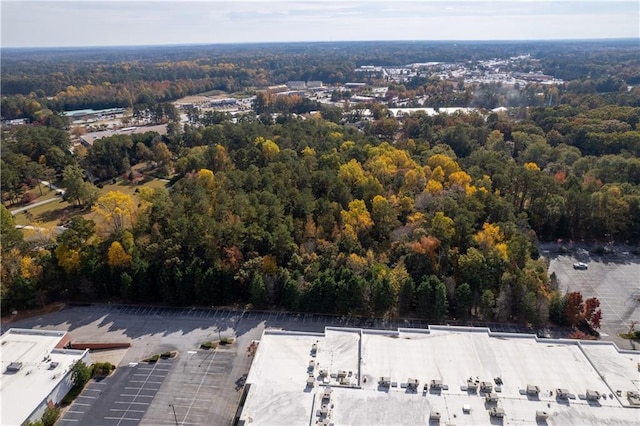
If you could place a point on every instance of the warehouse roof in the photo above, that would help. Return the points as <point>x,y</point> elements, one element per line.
<point>33,364</point>
<point>437,375</point>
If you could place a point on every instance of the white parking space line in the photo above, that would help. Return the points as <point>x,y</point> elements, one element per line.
<point>197,400</point>
<point>202,386</point>
<point>84,405</point>
<point>131,411</point>
<point>136,395</point>
<point>143,388</point>
<point>127,402</point>
<point>69,420</point>
<point>145,381</point>
<point>87,396</point>
<point>75,412</point>
<point>122,418</point>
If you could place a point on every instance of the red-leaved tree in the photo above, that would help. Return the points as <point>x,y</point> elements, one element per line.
<point>592,314</point>
<point>575,308</point>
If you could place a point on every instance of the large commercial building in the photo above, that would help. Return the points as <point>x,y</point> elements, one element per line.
<point>444,375</point>
<point>35,372</point>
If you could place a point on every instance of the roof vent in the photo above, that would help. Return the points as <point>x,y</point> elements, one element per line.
<point>53,365</point>
<point>541,415</point>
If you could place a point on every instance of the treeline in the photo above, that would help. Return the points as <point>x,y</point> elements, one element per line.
<point>310,215</point>
<point>67,79</point>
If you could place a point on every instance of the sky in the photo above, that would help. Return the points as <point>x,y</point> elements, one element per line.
<point>28,23</point>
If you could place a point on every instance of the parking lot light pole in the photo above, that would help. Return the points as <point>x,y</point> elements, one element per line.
<point>174,413</point>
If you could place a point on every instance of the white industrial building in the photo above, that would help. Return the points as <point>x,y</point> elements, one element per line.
<point>35,372</point>
<point>444,375</point>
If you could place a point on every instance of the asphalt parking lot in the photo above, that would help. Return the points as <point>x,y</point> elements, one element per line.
<point>121,399</point>
<point>614,280</point>
<point>198,383</point>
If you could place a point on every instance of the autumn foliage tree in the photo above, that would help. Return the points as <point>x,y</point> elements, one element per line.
<point>579,311</point>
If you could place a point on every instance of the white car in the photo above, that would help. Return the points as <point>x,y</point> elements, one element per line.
<point>580,265</point>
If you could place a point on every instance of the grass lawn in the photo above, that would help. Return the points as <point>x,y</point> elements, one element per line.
<point>125,188</point>
<point>57,212</point>
<point>49,214</point>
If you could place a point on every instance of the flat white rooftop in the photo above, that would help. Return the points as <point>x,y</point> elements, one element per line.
<point>457,358</point>
<point>41,370</point>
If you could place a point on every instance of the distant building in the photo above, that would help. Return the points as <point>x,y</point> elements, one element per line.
<point>314,84</point>
<point>532,76</point>
<point>296,85</point>
<point>355,85</point>
<point>88,139</point>
<point>35,372</point>
<point>223,102</point>
<point>86,114</point>
<point>278,88</point>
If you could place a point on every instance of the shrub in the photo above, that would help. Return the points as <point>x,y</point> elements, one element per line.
<point>102,369</point>
<point>580,335</point>
<point>153,358</point>
<point>206,345</point>
<point>166,354</point>
<point>50,416</point>
<point>28,197</point>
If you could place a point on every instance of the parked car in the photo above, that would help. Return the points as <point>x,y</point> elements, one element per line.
<point>580,265</point>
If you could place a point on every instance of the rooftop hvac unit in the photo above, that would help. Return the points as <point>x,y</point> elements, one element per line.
<point>344,381</point>
<point>472,384</point>
<point>323,372</point>
<point>326,396</point>
<point>496,412</point>
<point>593,395</point>
<point>412,383</point>
<point>434,415</point>
<point>342,373</point>
<point>14,366</point>
<point>491,397</point>
<point>562,393</point>
<point>633,397</point>
<point>533,390</point>
<point>310,382</point>
<point>436,384</point>
<point>384,381</point>
<point>486,386</point>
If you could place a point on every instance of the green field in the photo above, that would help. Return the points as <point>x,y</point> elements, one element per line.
<point>57,212</point>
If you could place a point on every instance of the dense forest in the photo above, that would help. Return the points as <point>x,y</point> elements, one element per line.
<point>430,216</point>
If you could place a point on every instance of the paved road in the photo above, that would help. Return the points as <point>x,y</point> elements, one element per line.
<point>30,206</point>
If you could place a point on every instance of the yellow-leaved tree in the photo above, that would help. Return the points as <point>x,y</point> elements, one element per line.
<point>68,258</point>
<point>117,211</point>
<point>356,219</point>
<point>117,257</point>
<point>491,237</point>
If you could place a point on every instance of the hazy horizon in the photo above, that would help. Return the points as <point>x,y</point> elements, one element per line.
<point>141,23</point>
